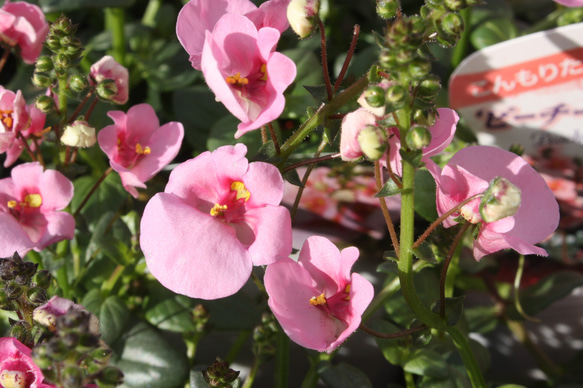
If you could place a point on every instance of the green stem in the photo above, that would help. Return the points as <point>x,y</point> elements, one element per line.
<point>236,348</point>
<point>282,360</point>
<point>149,18</point>
<point>312,377</point>
<point>63,86</point>
<point>111,282</point>
<point>463,347</point>
<point>318,118</point>
<point>409,380</point>
<point>63,281</point>
<point>461,48</point>
<point>252,373</point>
<point>114,21</point>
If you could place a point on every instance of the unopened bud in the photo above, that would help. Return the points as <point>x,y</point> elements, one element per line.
<point>41,81</point>
<point>42,279</point>
<point>61,62</point>
<point>302,16</point>
<point>425,117</point>
<point>517,149</point>
<point>429,88</point>
<point>110,376</point>
<point>396,97</point>
<point>419,68</point>
<point>501,199</point>
<point>455,5</point>
<point>372,141</point>
<point>78,134</point>
<point>449,28</point>
<point>45,104</point>
<point>107,89</point>
<point>43,64</point>
<point>387,9</point>
<point>375,96</point>
<point>78,83</point>
<point>387,59</point>
<point>72,377</point>
<point>418,137</point>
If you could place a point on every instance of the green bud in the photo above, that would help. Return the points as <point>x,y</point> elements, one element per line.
<point>396,97</point>
<point>37,296</point>
<point>425,117</point>
<point>72,377</point>
<point>404,56</point>
<point>107,90</point>
<point>43,64</point>
<point>63,25</point>
<point>418,137</point>
<point>372,141</point>
<point>101,355</point>
<point>13,290</point>
<point>43,277</point>
<point>41,81</point>
<point>22,331</point>
<point>61,63</point>
<point>29,269</point>
<point>375,96</point>
<point>110,375</point>
<point>419,68</point>
<point>219,374</point>
<point>455,5</point>
<point>40,356</point>
<point>45,104</point>
<point>387,9</point>
<point>74,49</point>
<point>53,43</point>
<point>429,88</point>
<point>449,28</point>
<point>517,149</point>
<point>387,60</point>
<point>501,199</point>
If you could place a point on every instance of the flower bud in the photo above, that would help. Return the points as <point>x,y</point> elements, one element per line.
<point>387,9</point>
<point>372,141</point>
<point>425,117</point>
<point>517,149</point>
<point>78,83</point>
<point>45,104</point>
<point>418,137</point>
<point>455,5</point>
<point>107,89</point>
<point>37,296</point>
<point>429,88</point>
<point>43,279</point>
<point>63,24</point>
<point>387,59</point>
<point>13,290</point>
<point>449,28</point>
<point>53,43</point>
<point>302,16</point>
<point>419,68</point>
<point>110,375</point>
<point>72,377</point>
<point>41,81</point>
<point>78,134</point>
<point>43,64</point>
<point>396,97</point>
<point>61,63</point>
<point>375,96</point>
<point>501,199</point>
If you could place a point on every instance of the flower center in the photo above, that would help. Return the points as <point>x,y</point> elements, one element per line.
<point>218,210</point>
<point>7,120</point>
<point>141,150</point>
<point>31,201</point>
<point>13,379</point>
<point>264,72</point>
<point>237,196</point>
<point>128,155</point>
<point>237,79</point>
<point>318,300</point>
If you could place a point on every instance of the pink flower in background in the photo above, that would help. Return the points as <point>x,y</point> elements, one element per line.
<point>13,117</point>
<point>30,204</point>
<point>352,125</point>
<point>316,300</point>
<point>108,68</point>
<point>16,366</point>
<point>442,133</point>
<point>199,16</point>
<point>469,172</point>
<point>246,75</point>
<point>570,3</point>
<point>32,134</point>
<point>23,25</point>
<point>137,146</point>
<point>48,313</point>
<point>218,216</point>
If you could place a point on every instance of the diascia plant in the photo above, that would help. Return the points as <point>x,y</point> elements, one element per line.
<point>236,193</point>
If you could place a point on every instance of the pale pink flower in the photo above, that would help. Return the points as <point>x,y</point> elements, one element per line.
<point>32,133</point>
<point>352,124</point>
<point>199,16</point>
<point>137,146</point>
<point>245,73</point>
<point>570,3</point>
<point>316,300</point>
<point>108,68</point>
<point>16,366</point>
<point>14,117</point>
<point>469,172</point>
<point>30,204</point>
<point>218,216</point>
<point>23,25</point>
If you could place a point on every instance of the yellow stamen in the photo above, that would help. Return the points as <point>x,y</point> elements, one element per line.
<point>318,300</point>
<point>12,204</point>
<point>33,200</point>
<point>264,71</point>
<point>347,290</point>
<point>141,150</point>
<point>7,119</point>
<point>13,379</point>
<point>237,79</point>
<point>218,210</point>
<point>241,190</point>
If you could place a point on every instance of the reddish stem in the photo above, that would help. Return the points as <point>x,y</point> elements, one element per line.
<point>325,60</point>
<point>348,57</point>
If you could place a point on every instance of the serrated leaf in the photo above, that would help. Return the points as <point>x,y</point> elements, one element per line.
<point>113,317</point>
<point>390,188</point>
<point>342,376</point>
<point>426,362</point>
<point>454,308</point>
<point>411,157</point>
<point>319,92</point>
<point>425,252</point>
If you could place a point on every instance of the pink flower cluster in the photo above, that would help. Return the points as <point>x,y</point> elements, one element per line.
<point>23,25</point>
<point>108,68</point>
<point>233,42</point>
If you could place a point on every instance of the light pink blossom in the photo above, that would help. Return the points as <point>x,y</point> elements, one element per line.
<point>23,25</point>
<point>570,3</point>
<point>352,124</point>
<point>137,146</point>
<point>14,117</point>
<point>316,300</point>
<point>469,172</point>
<point>32,134</point>
<point>108,68</point>
<point>30,204</point>
<point>218,216</point>
<point>16,366</point>
<point>245,73</point>
<point>199,16</point>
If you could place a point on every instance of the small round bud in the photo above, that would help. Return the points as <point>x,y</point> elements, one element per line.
<point>387,59</point>
<point>501,199</point>
<point>107,89</point>
<point>375,96</point>
<point>61,63</point>
<point>396,97</point>
<point>37,296</point>
<point>43,64</point>
<point>425,117</point>
<point>29,269</point>
<point>373,142</point>
<point>74,49</point>
<point>387,9</point>
<point>429,88</point>
<point>43,279</point>
<point>455,5</point>
<point>53,43</point>
<point>419,68</point>
<point>78,83</point>
<point>111,376</point>
<point>45,104</point>
<point>404,56</point>
<point>13,290</point>
<point>79,134</point>
<point>41,81</point>
<point>418,137</point>
<point>517,149</point>
<point>22,331</point>
<point>303,16</point>
<point>72,377</point>
<point>449,28</point>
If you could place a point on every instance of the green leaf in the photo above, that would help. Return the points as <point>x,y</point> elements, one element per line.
<point>49,6</point>
<point>150,359</point>
<point>425,252</point>
<point>493,31</point>
<point>547,291</point>
<point>108,197</point>
<point>104,240</point>
<point>392,348</point>
<point>411,157</point>
<point>197,379</point>
<point>92,301</point>
<point>456,379</point>
<point>319,92</point>
<point>113,317</point>
<point>173,314</point>
<point>390,188</point>
<point>293,177</point>
<point>481,319</point>
<point>426,362</point>
<point>223,133</point>
<point>342,376</point>
<point>454,308</point>
<point>425,195</point>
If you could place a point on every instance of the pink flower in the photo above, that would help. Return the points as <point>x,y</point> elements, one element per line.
<point>24,25</point>
<point>108,68</point>
<point>13,117</point>
<point>570,3</point>
<point>48,313</point>
<point>30,204</point>
<point>352,124</point>
<point>16,366</point>
<point>199,16</point>
<point>32,135</point>
<point>316,300</point>
<point>469,172</point>
<point>246,75</point>
<point>137,146</point>
<point>217,217</point>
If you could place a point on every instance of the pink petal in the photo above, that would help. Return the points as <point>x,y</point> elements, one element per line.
<point>12,237</point>
<point>265,183</point>
<point>273,233</point>
<point>442,132</point>
<point>56,190</point>
<point>321,258</point>
<point>352,124</point>
<point>60,226</point>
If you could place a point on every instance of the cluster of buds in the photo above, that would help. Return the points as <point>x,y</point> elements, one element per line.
<point>23,289</point>
<point>66,51</point>
<point>72,355</point>
<point>264,337</point>
<point>219,375</point>
<point>444,16</point>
